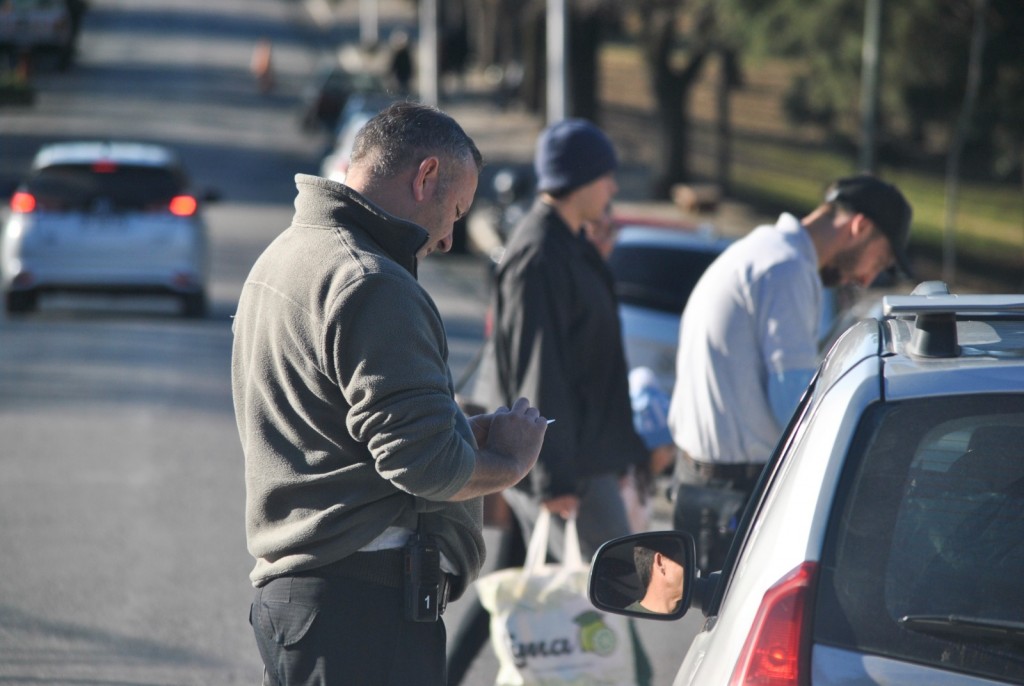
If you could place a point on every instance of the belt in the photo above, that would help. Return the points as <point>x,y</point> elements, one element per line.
<point>739,470</point>
<point>380,567</point>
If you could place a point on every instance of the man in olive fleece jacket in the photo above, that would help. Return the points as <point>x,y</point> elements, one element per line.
<point>345,408</point>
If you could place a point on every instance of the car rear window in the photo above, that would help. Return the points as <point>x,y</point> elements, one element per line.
<point>657,277</point>
<point>104,187</point>
<point>924,558</point>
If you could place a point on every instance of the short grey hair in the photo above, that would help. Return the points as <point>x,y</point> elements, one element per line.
<point>404,134</point>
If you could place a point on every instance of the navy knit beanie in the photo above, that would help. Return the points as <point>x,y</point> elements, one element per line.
<point>571,153</point>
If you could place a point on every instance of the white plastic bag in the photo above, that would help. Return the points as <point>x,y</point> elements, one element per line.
<point>544,630</point>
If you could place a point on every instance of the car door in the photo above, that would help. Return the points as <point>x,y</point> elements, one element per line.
<point>780,534</point>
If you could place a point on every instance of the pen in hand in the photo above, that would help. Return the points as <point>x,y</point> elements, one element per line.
<point>551,421</point>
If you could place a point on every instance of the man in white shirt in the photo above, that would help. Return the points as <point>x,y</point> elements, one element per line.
<point>748,343</point>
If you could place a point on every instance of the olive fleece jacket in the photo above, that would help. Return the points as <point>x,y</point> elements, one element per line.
<point>343,396</point>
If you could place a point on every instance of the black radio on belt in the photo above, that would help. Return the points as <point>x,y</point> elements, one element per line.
<point>423,582</point>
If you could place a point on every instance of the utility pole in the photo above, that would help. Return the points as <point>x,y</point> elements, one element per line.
<point>963,126</point>
<point>558,89</point>
<point>368,24</point>
<point>427,68</point>
<point>870,67</point>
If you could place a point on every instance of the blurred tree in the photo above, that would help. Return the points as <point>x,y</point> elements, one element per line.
<point>678,37</point>
<point>495,31</point>
<point>454,52</point>
<point>925,46</point>
<point>586,25</point>
<point>674,57</point>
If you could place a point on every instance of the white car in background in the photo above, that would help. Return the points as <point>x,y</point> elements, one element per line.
<point>360,108</point>
<point>107,217</point>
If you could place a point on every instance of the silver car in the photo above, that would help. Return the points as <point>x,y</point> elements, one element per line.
<point>115,217</point>
<point>884,542</point>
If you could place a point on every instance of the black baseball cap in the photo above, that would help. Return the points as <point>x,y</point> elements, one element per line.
<point>880,202</point>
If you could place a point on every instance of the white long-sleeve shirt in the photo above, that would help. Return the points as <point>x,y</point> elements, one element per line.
<point>751,322</point>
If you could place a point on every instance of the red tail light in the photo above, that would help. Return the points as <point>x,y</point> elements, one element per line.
<point>183,205</point>
<point>777,649</point>
<point>23,202</point>
<point>488,322</point>
<point>104,167</point>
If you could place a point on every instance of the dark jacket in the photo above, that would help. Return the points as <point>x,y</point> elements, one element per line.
<point>342,392</point>
<point>557,341</point>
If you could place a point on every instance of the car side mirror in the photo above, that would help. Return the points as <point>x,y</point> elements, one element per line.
<point>650,575</point>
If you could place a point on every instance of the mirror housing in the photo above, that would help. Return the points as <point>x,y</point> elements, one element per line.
<point>651,575</point>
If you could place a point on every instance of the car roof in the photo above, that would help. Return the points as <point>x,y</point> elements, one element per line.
<point>123,152</point>
<point>674,238</point>
<point>936,343</point>
<point>939,325</point>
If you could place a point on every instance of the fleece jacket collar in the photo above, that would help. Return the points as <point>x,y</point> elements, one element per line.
<point>328,204</point>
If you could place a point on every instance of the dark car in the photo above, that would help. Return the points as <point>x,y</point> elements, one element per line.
<point>29,28</point>
<point>655,268</point>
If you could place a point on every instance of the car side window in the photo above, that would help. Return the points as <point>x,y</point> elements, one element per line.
<point>923,560</point>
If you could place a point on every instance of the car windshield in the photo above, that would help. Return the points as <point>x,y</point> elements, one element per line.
<point>924,559</point>
<point>103,187</point>
<point>657,277</point>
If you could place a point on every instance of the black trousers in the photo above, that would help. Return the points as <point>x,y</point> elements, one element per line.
<point>708,502</point>
<point>325,631</point>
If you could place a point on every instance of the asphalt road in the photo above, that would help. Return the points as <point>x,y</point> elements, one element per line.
<point>122,551</point>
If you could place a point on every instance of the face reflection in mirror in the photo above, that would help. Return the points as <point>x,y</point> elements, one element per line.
<point>660,570</point>
<point>644,575</point>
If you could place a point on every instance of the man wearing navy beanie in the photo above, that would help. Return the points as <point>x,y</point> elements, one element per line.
<point>556,340</point>
<point>570,154</point>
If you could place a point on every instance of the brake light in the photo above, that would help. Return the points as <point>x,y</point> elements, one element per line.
<point>104,167</point>
<point>488,322</point>
<point>777,651</point>
<point>183,205</point>
<point>23,202</point>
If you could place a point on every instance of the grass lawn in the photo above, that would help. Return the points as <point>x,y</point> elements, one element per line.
<point>988,224</point>
<point>778,166</point>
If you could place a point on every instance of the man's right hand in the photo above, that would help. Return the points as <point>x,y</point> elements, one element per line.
<point>563,505</point>
<point>509,442</point>
<point>517,433</point>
